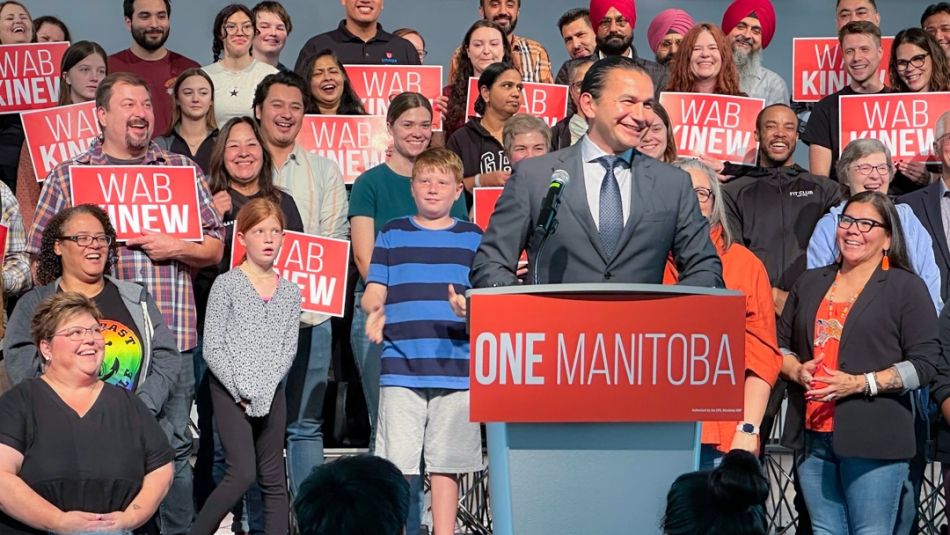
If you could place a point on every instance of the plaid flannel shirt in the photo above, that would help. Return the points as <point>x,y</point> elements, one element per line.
<point>168,281</point>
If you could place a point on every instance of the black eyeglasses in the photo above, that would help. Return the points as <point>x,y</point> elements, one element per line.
<point>916,62</point>
<point>85,240</point>
<point>864,225</point>
<point>703,194</point>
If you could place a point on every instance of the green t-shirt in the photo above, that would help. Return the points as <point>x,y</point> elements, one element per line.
<point>384,195</point>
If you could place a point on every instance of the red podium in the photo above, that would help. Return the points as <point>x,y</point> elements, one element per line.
<point>591,394</point>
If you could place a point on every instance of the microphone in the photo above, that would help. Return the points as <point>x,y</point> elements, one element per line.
<point>546,220</point>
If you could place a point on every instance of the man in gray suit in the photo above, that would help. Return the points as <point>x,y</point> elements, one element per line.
<point>621,213</point>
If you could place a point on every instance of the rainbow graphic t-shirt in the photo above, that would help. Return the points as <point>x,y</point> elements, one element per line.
<point>122,361</point>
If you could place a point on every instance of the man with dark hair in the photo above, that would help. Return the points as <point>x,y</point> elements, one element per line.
<point>316,185</point>
<point>572,128</point>
<point>666,32</point>
<point>579,39</point>
<point>936,22</point>
<point>273,26</point>
<point>749,26</point>
<point>149,21</point>
<point>528,56</point>
<point>614,22</point>
<point>773,208</point>
<point>856,10</point>
<point>602,233</point>
<point>159,262</point>
<point>359,39</point>
<point>361,494</point>
<point>862,53</point>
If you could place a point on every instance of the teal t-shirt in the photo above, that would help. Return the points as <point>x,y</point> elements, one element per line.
<point>384,195</point>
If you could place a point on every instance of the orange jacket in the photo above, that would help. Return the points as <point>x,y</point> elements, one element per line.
<point>744,272</point>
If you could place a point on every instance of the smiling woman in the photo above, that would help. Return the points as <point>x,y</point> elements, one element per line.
<point>330,86</point>
<point>236,73</point>
<point>704,63</point>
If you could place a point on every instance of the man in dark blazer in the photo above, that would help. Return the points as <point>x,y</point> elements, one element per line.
<point>622,212</point>
<point>931,204</point>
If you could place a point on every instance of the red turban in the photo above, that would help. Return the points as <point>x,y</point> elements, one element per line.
<point>599,9</point>
<point>740,9</point>
<point>668,21</point>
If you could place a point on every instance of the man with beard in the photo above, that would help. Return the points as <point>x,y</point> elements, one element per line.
<point>773,208</point>
<point>614,20</point>
<point>528,56</point>
<point>862,53</point>
<point>579,39</point>
<point>666,32</point>
<point>161,263</point>
<point>149,21</point>
<point>936,22</point>
<point>750,25</point>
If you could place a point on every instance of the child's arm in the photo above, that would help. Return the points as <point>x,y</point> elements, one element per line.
<point>374,304</point>
<point>216,350</point>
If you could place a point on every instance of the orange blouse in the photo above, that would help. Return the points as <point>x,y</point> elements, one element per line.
<point>744,272</point>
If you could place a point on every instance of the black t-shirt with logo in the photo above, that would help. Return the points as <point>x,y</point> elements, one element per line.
<point>122,362</point>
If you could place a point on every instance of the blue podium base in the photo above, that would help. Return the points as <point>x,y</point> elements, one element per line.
<point>585,478</point>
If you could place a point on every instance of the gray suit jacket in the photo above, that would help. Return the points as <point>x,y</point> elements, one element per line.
<point>664,217</point>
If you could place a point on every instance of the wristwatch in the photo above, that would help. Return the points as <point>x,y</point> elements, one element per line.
<point>747,428</point>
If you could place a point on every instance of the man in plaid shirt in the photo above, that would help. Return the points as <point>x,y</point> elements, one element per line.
<point>163,264</point>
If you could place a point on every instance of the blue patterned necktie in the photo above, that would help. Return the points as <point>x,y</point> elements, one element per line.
<point>611,209</point>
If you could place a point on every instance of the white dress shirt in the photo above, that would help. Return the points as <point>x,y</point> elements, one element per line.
<point>594,173</point>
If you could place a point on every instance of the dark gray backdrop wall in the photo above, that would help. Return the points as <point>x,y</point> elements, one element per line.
<point>443,22</point>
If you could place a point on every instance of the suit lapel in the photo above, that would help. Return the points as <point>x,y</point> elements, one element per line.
<point>813,301</point>
<point>575,195</point>
<point>642,183</point>
<point>934,214</point>
<point>870,291</point>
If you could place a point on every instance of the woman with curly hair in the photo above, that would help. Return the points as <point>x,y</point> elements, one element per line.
<point>704,63</point>
<point>330,86</point>
<point>76,254</point>
<point>484,44</point>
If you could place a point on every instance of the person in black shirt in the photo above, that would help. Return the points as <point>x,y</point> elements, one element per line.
<point>194,129</point>
<point>78,454</point>
<point>360,39</point>
<point>862,52</point>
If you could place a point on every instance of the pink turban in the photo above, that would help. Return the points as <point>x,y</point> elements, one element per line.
<point>599,9</point>
<point>668,21</point>
<point>740,9</point>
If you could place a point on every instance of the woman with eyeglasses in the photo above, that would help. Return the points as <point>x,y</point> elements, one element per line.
<point>742,271</point>
<point>235,75</point>
<point>76,254</point>
<point>865,165</point>
<point>918,65</point>
<point>858,337</point>
<point>77,454</point>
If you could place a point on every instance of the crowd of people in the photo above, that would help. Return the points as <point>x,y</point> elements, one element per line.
<point>844,264</point>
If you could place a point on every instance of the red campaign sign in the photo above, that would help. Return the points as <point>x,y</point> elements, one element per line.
<point>545,101</point>
<point>356,143</point>
<point>818,67</point>
<point>30,75</point>
<point>139,199</point>
<point>378,84</point>
<point>55,135</point>
<point>715,126</point>
<point>904,122</point>
<point>483,206</point>
<point>579,358</point>
<point>318,265</point>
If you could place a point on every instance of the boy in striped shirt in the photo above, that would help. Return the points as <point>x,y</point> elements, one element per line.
<point>418,262</point>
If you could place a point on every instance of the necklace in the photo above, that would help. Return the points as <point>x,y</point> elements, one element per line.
<point>833,327</point>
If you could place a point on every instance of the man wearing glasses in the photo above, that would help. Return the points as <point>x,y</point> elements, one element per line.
<point>149,22</point>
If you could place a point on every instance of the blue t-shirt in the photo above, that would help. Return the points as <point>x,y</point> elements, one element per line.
<point>424,343</point>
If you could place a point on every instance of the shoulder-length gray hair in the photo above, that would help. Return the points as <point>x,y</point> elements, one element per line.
<point>857,149</point>
<point>718,215</point>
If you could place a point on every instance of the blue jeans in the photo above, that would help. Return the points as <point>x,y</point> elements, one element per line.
<point>306,388</point>
<point>177,509</point>
<point>849,495</point>
<point>367,355</point>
